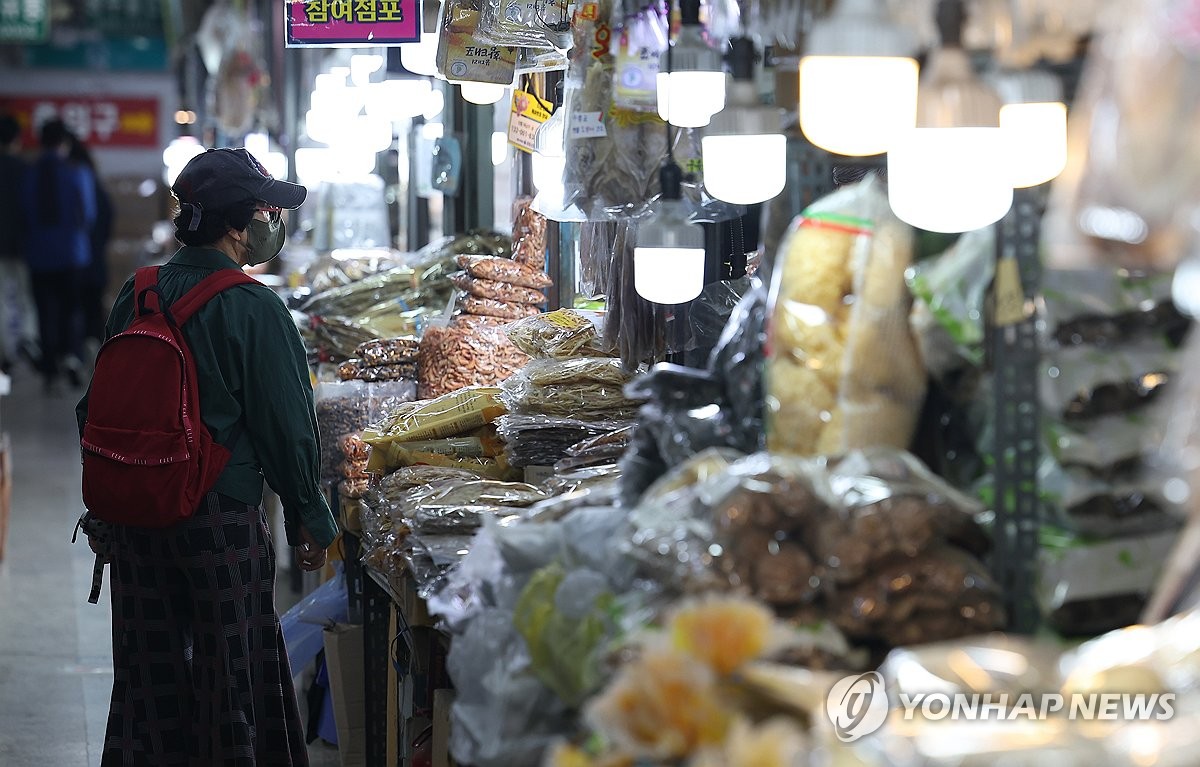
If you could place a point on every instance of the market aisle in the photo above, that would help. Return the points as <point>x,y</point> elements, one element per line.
<point>55,648</point>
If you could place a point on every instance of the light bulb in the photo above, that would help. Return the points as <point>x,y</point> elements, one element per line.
<point>434,104</point>
<point>481,93</point>
<point>1036,136</point>
<point>743,151</point>
<point>1034,120</point>
<point>858,80</point>
<point>177,154</point>
<point>362,66</point>
<point>744,170</point>
<point>856,105</point>
<point>421,58</point>
<point>668,260</point>
<point>949,179</point>
<point>693,87</point>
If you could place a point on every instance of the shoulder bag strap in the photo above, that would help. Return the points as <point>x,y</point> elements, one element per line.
<point>198,296</point>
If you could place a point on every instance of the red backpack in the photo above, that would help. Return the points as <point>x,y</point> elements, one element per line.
<point>148,459</point>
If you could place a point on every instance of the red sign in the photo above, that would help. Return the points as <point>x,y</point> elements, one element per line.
<point>100,121</point>
<point>353,22</point>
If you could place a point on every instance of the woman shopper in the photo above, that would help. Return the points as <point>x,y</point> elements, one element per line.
<point>201,676</point>
<point>60,208</point>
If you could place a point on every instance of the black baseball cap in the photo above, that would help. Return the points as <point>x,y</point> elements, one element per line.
<point>221,177</point>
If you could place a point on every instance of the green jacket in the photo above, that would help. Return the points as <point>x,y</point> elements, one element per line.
<point>250,366</point>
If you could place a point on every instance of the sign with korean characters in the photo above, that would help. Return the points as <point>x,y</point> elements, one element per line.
<point>526,116</point>
<point>352,22</point>
<point>114,122</point>
<point>24,21</point>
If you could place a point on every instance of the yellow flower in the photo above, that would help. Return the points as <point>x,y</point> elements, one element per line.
<point>566,755</point>
<point>723,631</point>
<point>777,743</point>
<point>663,705</point>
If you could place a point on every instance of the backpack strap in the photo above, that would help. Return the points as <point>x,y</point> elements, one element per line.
<point>198,296</point>
<point>146,296</point>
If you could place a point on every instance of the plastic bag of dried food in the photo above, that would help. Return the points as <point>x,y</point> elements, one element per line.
<point>1106,306</point>
<point>498,291</point>
<point>470,351</point>
<point>585,400</point>
<point>445,416</point>
<point>948,307</point>
<point>390,487</point>
<point>388,351</point>
<point>357,369</point>
<point>843,369</point>
<point>347,407</point>
<point>504,270</point>
<point>1086,588</point>
<point>519,24</point>
<point>1115,442</point>
<point>709,314</point>
<point>529,234</point>
<point>574,370</point>
<point>561,333</point>
<point>542,440</point>
<point>1094,505</point>
<point>1082,382</point>
<point>489,307</point>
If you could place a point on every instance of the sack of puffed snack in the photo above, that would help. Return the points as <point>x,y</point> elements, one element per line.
<point>843,370</point>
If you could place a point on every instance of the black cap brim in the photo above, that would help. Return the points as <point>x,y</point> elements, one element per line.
<point>283,194</point>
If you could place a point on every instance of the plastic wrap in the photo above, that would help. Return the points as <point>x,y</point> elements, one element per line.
<point>1084,382</point>
<point>1099,307</point>
<point>738,362</point>
<point>1093,505</point>
<point>600,493</point>
<point>388,351</point>
<point>558,334</point>
<point>583,400</point>
<point>446,416</point>
<point>490,307</point>
<point>355,369</point>
<point>873,542</point>
<point>949,293</point>
<point>497,291</point>
<point>344,409</point>
<point>634,325</point>
<point>844,371</point>
<point>470,351</point>
<point>709,314</point>
<point>504,270</point>
<point>1115,442</point>
<point>1085,589</point>
<point>521,24</point>
<point>529,235</point>
<point>542,440</point>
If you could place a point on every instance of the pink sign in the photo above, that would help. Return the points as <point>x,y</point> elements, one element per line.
<point>353,22</point>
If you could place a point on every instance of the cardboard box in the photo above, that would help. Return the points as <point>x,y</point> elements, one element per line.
<point>344,657</point>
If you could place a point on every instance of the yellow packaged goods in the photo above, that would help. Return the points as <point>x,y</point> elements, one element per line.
<point>504,270</point>
<point>561,333</point>
<point>446,416</point>
<point>843,369</point>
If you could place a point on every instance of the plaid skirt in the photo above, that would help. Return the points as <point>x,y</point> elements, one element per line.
<point>201,675</point>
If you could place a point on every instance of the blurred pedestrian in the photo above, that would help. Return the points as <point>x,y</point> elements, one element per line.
<point>18,326</point>
<point>95,275</point>
<point>60,208</point>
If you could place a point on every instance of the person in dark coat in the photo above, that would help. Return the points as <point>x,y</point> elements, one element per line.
<point>18,326</point>
<point>95,275</point>
<point>60,209</point>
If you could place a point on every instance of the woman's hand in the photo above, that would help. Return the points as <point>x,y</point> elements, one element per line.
<point>312,556</point>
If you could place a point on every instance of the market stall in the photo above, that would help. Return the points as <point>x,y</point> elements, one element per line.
<point>764,388</point>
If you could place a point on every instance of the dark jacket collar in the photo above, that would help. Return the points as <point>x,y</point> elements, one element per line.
<point>204,258</point>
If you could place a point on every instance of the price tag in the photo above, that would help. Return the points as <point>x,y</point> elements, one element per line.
<point>525,117</point>
<point>1010,297</point>
<point>588,125</point>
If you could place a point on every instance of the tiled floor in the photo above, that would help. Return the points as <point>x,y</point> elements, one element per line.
<point>55,662</point>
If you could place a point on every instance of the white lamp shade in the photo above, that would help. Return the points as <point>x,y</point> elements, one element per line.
<point>1036,139</point>
<point>949,179</point>
<point>481,93</point>
<point>668,275</point>
<point>744,170</point>
<point>421,58</point>
<point>690,99</point>
<point>547,171</point>
<point>856,105</point>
